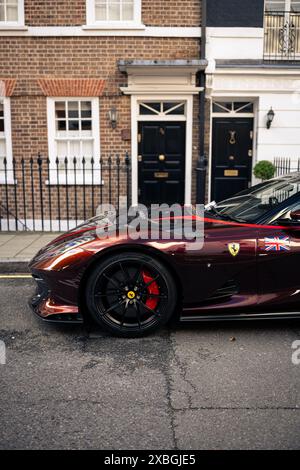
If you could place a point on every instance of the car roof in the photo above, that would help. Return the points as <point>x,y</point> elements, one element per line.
<point>294,176</point>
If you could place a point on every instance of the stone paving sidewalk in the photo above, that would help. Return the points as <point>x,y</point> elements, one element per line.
<point>21,247</point>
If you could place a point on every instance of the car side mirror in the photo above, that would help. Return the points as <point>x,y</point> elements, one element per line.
<point>295,216</point>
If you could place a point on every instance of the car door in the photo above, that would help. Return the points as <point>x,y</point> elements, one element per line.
<point>222,275</point>
<point>278,264</point>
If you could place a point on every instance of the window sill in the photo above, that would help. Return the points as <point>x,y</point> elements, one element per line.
<point>13,27</point>
<point>112,25</point>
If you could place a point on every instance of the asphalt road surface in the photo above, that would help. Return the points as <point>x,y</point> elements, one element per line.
<point>191,387</point>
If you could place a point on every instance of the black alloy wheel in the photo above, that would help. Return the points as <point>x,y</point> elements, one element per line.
<point>131,294</point>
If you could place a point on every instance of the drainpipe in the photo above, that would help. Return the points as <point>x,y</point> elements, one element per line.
<point>202,160</point>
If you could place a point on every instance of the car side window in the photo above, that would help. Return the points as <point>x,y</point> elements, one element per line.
<point>285,214</point>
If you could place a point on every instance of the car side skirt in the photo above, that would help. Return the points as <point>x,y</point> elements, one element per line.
<point>246,316</point>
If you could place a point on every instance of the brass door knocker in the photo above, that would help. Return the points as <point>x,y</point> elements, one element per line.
<point>232,139</point>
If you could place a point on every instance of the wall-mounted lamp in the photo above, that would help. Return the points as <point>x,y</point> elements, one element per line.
<point>270,118</point>
<point>113,117</point>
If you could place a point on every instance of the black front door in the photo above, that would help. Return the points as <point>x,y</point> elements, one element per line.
<point>161,162</point>
<point>231,156</point>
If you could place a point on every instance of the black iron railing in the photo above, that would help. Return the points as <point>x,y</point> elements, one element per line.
<point>285,165</point>
<point>39,195</point>
<point>282,36</point>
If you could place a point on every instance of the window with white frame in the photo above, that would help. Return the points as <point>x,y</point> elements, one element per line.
<point>11,12</point>
<point>73,132</point>
<point>5,133</point>
<point>114,12</point>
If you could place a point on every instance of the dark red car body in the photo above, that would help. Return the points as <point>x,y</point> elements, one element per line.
<point>211,283</point>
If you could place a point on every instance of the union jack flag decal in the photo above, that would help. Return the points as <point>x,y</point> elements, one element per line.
<point>277,244</point>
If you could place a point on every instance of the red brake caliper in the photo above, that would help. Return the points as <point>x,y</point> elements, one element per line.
<point>153,289</point>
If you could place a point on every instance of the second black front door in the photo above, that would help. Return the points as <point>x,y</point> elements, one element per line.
<point>161,158</point>
<point>231,156</point>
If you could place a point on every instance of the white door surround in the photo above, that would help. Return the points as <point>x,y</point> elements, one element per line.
<point>162,81</point>
<point>136,117</point>
<point>231,112</point>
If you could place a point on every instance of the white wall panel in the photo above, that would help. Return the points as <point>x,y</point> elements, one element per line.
<point>235,43</point>
<point>289,119</point>
<point>269,152</point>
<point>279,136</point>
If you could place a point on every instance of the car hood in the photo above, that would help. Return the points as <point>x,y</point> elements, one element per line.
<point>82,236</point>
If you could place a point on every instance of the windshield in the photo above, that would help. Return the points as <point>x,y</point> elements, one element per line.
<point>251,204</point>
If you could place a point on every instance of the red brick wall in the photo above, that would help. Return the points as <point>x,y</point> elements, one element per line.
<point>73,12</point>
<point>28,59</point>
<point>91,57</point>
<point>55,13</point>
<point>171,12</point>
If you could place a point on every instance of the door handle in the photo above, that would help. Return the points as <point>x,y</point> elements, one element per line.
<point>161,158</point>
<point>140,158</point>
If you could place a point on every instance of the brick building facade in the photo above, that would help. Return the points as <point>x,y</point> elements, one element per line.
<point>73,63</point>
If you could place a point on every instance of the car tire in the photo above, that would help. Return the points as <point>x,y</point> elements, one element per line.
<point>131,294</point>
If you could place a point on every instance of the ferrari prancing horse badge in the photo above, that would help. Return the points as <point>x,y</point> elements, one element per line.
<point>234,248</point>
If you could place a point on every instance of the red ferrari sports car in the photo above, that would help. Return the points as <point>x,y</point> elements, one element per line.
<point>246,269</point>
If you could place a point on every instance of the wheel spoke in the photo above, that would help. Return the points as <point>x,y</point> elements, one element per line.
<point>148,308</point>
<point>125,308</point>
<point>157,296</point>
<point>108,293</point>
<point>138,314</point>
<point>117,304</point>
<point>138,275</point>
<point>124,273</point>
<point>112,281</point>
<point>151,282</point>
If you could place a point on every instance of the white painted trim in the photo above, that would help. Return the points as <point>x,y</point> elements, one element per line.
<point>209,167</point>
<point>134,150</point>
<point>82,31</point>
<point>36,225</point>
<point>135,118</point>
<point>175,89</point>
<point>255,137</point>
<point>113,25</point>
<point>241,33</point>
<point>233,115</point>
<point>189,151</point>
<point>12,27</point>
<point>258,70</point>
<point>160,118</point>
<point>52,135</point>
<point>21,18</point>
<point>91,17</point>
<point>247,93</point>
<point>21,13</point>
<point>51,131</point>
<point>8,140</point>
